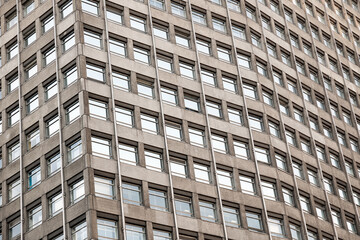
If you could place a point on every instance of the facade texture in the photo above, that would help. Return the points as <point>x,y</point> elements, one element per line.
<point>170,119</point>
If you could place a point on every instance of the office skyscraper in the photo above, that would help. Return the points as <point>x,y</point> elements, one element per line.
<point>171,119</point>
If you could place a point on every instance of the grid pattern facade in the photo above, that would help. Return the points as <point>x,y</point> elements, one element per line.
<point>171,119</point>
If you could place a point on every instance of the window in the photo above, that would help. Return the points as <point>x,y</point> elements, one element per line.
<point>321,211</point>
<point>295,232</point>
<point>107,229</point>
<point>288,196</point>
<point>208,211</point>
<point>141,55</point>
<point>158,200</point>
<point>290,138</point>
<point>247,184</point>
<point>298,115</point>
<point>32,103</point>
<point>239,32</point>
<point>154,161</point>
<point>95,72</point>
<point>214,109</point>
<point>343,192</point>
<point>192,103</point>
<point>74,150</point>
<point>231,216</point>
<point>90,6</point>
<point>149,123</point>
<point>104,187</point>
<point>224,54</point>
<point>261,68</point>
<point>244,61</point>
<point>256,40</point>
<point>169,95</point>
<point>202,173</point>
<point>276,227</point>
<point>328,185</point>
<point>53,164</point>
<point>197,137</point>
<point>29,37</point>
<point>297,169</point>
<point>12,50</point>
<point>30,69</point>
<point>250,91</point>
<point>160,4</point>
<point>277,76</point>
<point>50,89</point>
<point>14,189</point>
<point>266,23</point>
<point>165,63</point>
<point>101,147</point>
<point>117,47</point>
<point>14,152</point>
<point>208,77</point>
<point>255,123</point>
<point>280,31</point>
<point>52,126</point>
<point>135,232</point>
<point>235,116</point>
<point>294,40</point>
<point>178,9</point>
<point>187,70</point>
<point>55,204</point>
<point>173,131</point>
<point>34,177</point>
<point>70,75</point>
<point>182,39</point>
<point>47,23</point>
<point>114,15</point>
<point>274,129</point>
<point>77,191</point>
<point>183,206</point>
<point>98,109</point>
<point>269,190</point>
<point>351,225</point>
<point>305,204</point>
<point>35,217</point>
<point>349,168</point>
<point>79,231</point>
<point>250,13</point>
<point>178,167</point>
<point>234,5</point>
<point>334,159</point>
<point>280,162</point>
<point>336,217</point>
<point>128,154</point>
<point>225,179</point>
<point>49,55</point>
<point>272,49</point>
<point>14,229</point>
<point>254,221</point>
<point>301,24</point>
<point>72,112</point>
<point>124,116</point>
<point>131,193</point>
<point>138,23</point>
<point>203,46</point>
<point>11,20</point>
<point>313,178</point>
<point>219,25</point>
<point>305,145</point>
<point>121,81</point>
<point>66,9</point>
<point>198,17</point>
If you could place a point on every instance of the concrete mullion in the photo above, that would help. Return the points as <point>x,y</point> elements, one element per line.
<point>307,113</point>
<point>162,115</point>
<point>346,90</point>
<point>117,156</point>
<point>208,129</point>
<point>282,126</point>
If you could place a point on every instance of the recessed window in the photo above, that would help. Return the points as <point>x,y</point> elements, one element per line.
<point>14,190</point>
<point>313,178</point>
<point>107,229</point>
<point>154,161</point>
<point>12,50</point>
<point>149,123</point>
<point>229,84</point>
<point>202,173</point>
<point>256,123</point>
<point>121,81</point>
<point>239,32</point>
<point>55,204</point>
<point>203,46</point>
<point>182,39</point>
<point>52,126</point>
<point>241,150</point>
<point>47,23</point>
<point>274,129</point>
<point>173,131</point>
<point>98,109</point>
<point>281,162</point>
<point>250,13</point>
<point>161,31</point>
<point>124,116</point>
<point>11,20</point>
<point>262,155</point>
<point>72,112</point>
<point>224,54</point>
<point>183,206</point>
<point>117,47</point>
<point>33,139</point>
<point>104,187</point>
<point>138,23</point>
<point>192,103</point>
<point>160,4</point>
<point>269,190</point>
<point>128,154</point>
<point>250,91</point>
<point>158,200</point>
<point>208,211</point>
<point>219,143</point>
<point>132,193</point>
<point>235,116</point>
<point>178,167</point>
<point>234,5</point>
<point>92,38</point>
<point>50,90</point>
<point>53,164</point>
<point>30,69</point>
<point>74,150</point>
<point>247,184</point>
<point>35,217</point>
<point>214,109</point>
<point>90,6</point>
<point>135,232</point>
<point>141,55</point>
<point>30,37</point>
<point>165,63</point>
<point>197,137</point>
<point>187,70</point>
<point>225,179</point>
<point>14,152</point>
<point>95,72</point>
<point>77,191</point>
<point>199,17</point>
<point>305,204</point>
<point>49,55</point>
<point>114,15</point>
<point>14,228</point>
<point>276,227</point>
<point>288,196</point>
<point>231,216</point>
<point>66,9</point>
<point>70,76</point>
<point>101,147</point>
<point>254,221</point>
<point>219,25</point>
<point>178,9</point>
<point>79,231</point>
<point>208,77</point>
<point>169,95</point>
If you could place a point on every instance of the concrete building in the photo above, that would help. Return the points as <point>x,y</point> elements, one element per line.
<point>171,119</point>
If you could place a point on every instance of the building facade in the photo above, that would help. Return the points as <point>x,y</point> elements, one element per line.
<point>171,119</point>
